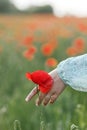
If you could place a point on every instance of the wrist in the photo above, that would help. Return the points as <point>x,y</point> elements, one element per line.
<point>56,77</point>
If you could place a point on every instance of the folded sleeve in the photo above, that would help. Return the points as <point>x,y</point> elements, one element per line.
<point>73,72</point>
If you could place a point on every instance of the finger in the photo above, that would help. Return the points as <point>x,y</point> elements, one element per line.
<point>47,97</point>
<point>31,94</point>
<point>40,99</point>
<point>46,100</point>
<point>53,98</point>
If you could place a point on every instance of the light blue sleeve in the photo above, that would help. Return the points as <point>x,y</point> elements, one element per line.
<point>73,71</point>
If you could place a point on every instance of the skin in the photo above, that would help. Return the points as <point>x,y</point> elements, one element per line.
<point>52,95</point>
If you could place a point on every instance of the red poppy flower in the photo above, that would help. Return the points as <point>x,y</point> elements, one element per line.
<point>29,54</point>
<point>28,40</point>
<point>71,51</point>
<point>42,78</point>
<point>79,43</point>
<point>51,62</point>
<point>47,49</point>
<point>82,27</point>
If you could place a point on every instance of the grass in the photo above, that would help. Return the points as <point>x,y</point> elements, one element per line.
<point>69,112</point>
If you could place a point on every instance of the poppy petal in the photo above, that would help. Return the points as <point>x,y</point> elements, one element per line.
<point>42,79</point>
<point>28,76</point>
<point>47,87</point>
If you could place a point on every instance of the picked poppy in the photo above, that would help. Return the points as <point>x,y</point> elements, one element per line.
<point>42,79</point>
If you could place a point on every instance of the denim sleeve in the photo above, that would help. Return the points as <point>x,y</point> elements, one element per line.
<point>73,71</point>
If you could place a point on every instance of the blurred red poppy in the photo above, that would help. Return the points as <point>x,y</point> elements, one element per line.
<point>32,49</point>
<point>29,54</point>
<point>28,40</point>
<point>51,62</point>
<point>79,43</point>
<point>71,51</point>
<point>82,27</point>
<point>47,49</point>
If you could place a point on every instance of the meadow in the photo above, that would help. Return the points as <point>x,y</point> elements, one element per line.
<point>29,43</point>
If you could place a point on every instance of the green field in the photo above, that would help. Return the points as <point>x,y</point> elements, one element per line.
<point>26,44</point>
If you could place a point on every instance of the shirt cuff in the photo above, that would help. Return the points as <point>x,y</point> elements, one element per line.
<point>73,72</point>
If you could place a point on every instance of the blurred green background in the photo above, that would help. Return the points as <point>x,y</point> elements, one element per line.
<point>31,40</point>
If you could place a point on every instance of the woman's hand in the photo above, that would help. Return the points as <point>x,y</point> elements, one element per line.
<point>52,95</point>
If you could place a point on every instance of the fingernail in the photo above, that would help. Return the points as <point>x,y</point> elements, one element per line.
<point>51,102</point>
<point>37,104</point>
<point>44,104</point>
<point>26,99</point>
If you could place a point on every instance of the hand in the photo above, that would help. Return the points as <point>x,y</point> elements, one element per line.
<point>52,95</point>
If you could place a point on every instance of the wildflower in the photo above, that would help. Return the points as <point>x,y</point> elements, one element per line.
<point>77,47</point>
<point>79,43</point>
<point>29,54</point>
<point>47,49</point>
<point>28,40</point>
<point>32,50</point>
<point>51,62</point>
<point>82,27</point>
<point>71,51</point>
<point>42,79</point>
